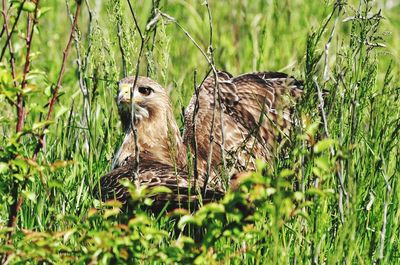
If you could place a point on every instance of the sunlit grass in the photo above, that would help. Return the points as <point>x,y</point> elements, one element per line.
<point>327,200</point>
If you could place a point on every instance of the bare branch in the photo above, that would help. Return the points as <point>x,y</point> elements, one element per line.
<point>82,82</point>
<point>18,198</point>
<point>120,38</point>
<point>59,79</point>
<point>90,29</point>
<point>216,93</point>
<point>189,36</point>
<point>210,61</point>
<point>9,34</point>
<point>9,44</point>
<point>327,45</point>
<point>133,126</point>
<point>341,189</point>
<point>20,99</point>
<point>152,26</point>
<point>194,139</point>
<point>121,48</point>
<point>385,213</point>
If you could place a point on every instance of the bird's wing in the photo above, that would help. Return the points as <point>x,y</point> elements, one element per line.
<point>256,115</point>
<point>151,173</point>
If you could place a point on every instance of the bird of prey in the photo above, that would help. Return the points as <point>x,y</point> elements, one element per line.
<point>229,123</point>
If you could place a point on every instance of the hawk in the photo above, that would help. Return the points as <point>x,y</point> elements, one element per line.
<point>229,123</point>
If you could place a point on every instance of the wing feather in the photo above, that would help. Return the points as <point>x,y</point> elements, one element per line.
<point>256,109</point>
<point>152,174</point>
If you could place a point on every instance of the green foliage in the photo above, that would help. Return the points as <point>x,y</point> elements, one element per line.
<point>330,197</point>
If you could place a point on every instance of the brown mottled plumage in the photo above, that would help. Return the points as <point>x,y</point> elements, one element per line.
<point>152,173</point>
<point>257,115</point>
<point>256,110</point>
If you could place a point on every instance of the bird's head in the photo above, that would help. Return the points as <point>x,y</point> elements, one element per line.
<point>158,133</point>
<point>149,100</point>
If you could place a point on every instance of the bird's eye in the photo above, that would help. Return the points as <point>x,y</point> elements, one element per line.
<point>145,90</point>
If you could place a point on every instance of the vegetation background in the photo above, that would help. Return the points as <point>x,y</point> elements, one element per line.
<point>332,198</point>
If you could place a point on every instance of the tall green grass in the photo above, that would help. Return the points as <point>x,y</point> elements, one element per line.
<point>333,197</point>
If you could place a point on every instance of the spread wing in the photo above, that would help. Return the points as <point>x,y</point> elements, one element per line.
<point>254,111</point>
<point>184,188</point>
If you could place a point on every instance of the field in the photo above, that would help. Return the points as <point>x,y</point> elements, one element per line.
<point>330,197</point>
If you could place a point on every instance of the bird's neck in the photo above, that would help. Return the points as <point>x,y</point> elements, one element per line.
<point>161,139</point>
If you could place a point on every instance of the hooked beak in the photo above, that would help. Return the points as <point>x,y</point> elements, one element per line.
<point>124,95</point>
<point>125,99</point>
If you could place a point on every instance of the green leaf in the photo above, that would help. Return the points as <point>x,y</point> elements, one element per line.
<point>270,191</point>
<point>317,172</point>
<point>298,196</point>
<point>43,10</point>
<point>312,129</point>
<point>148,201</point>
<point>30,195</point>
<point>10,92</point>
<point>302,214</point>
<point>29,7</point>
<point>42,124</point>
<point>54,184</point>
<point>260,165</point>
<point>314,191</point>
<point>159,190</point>
<point>185,240</point>
<point>111,212</point>
<point>3,167</point>
<point>179,212</point>
<point>113,203</point>
<point>323,145</point>
<point>286,173</point>
<point>21,164</point>
<point>61,111</point>
<point>47,90</point>
<point>187,219</point>
<point>68,235</point>
<point>214,208</point>
<point>322,162</point>
<point>139,220</point>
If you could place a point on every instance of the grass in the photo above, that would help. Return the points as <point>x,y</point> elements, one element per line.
<point>332,198</point>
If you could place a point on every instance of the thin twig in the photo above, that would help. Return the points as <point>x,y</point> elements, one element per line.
<point>341,189</point>
<point>18,198</point>
<point>89,33</point>
<point>217,87</point>
<point>190,37</point>
<point>121,48</point>
<point>341,162</point>
<point>2,29</point>
<point>9,34</point>
<point>9,44</point>
<point>327,45</point>
<point>14,209</point>
<point>133,126</point>
<point>323,114</point>
<point>385,213</point>
<point>216,93</point>
<point>194,139</point>
<point>82,84</point>
<point>194,118</point>
<point>152,24</point>
<point>20,98</point>
<point>11,5</point>
<point>59,79</point>
<point>212,65</point>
